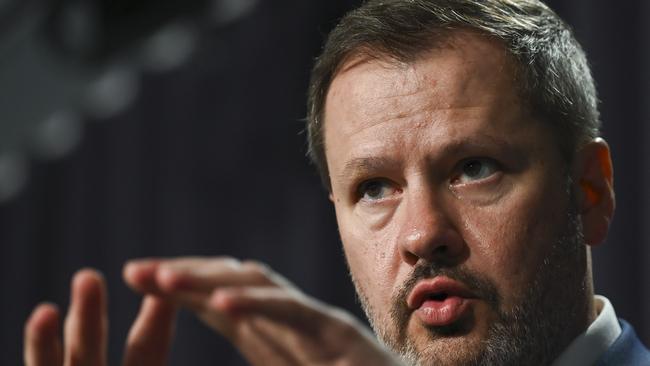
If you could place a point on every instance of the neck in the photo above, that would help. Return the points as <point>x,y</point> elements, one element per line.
<point>591,310</point>
<point>584,306</point>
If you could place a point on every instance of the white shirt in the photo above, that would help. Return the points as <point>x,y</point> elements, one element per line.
<point>589,346</point>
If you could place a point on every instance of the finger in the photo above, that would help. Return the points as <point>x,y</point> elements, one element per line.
<point>204,274</point>
<point>298,327</point>
<point>151,335</point>
<point>287,308</point>
<point>191,281</point>
<point>278,304</point>
<point>86,324</point>
<point>140,275</point>
<point>260,347</point>
<point>42,344</point>
<point>287,324</point>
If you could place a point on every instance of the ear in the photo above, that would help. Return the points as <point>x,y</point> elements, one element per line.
<point>594,179</point>
<point>331,197</point>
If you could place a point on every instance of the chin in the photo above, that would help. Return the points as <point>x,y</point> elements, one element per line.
<point>460,343</point>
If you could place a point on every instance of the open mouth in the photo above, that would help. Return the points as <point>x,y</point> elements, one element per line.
<point>440,301</point>
<point>439,296</point>
<point>439,290</point>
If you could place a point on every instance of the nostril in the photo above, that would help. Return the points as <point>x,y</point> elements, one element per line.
<point>410,258</point>
<point>442,249</point>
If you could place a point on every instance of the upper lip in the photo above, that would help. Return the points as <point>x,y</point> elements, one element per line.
<point>436,286</point>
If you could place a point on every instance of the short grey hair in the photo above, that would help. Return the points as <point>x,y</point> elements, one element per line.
<point>552,70</point>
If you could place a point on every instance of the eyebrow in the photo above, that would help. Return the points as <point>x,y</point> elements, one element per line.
<point>366,165</point>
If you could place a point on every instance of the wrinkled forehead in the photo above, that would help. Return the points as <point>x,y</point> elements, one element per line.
<point>459,73</point>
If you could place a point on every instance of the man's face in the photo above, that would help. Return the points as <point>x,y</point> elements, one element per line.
<point>452,205</point>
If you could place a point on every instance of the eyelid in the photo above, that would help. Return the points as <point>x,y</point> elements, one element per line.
<point>364,184</point>
<point>359,192</point>
<point>457,172</point>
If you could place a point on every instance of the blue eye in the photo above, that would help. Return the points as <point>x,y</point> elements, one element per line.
<point>476,169</point>
<point>374,190</point>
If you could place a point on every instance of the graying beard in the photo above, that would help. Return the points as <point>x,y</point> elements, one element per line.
<point>515,340</point>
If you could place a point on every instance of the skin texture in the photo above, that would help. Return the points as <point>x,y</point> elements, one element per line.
<point>399,138</point>
<point>399,141</point>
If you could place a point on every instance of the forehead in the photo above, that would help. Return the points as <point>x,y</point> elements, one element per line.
<point>465,87</point>
<point>460,72</point>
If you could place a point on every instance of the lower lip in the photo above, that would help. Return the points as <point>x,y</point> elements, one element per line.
<point>440,313</point>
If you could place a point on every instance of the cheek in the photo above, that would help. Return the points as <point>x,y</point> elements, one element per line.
<point>509,240</point>
<point>371,257</point>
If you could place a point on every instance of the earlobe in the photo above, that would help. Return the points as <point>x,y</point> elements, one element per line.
<point>595,185</point>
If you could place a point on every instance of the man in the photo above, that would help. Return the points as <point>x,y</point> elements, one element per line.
<point>459,144</point>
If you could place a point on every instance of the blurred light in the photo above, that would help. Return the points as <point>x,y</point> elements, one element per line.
<point>13,175</point>
<point>5,4</point>
<point>169,48</point>
<point>226,11</point>
<point>112,92</point>
<point>58,135</point>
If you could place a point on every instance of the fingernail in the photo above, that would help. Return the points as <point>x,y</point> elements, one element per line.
<point>139,264</point>
<point>86,274</point>
<point>48,305</point>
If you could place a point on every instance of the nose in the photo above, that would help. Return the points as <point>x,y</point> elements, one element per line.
<point>428,233</point>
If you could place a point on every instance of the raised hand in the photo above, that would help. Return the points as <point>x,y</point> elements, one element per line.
<point>269,320</point>
<point>86,328</point>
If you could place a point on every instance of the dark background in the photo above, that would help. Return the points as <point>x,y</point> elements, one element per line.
<point>209,160</point>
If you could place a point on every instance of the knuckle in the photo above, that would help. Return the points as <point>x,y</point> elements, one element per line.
<point>257,270</point>
<point>255,266</point>
<point>228,261</point>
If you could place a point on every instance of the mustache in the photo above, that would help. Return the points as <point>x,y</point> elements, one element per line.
<point>478,284</point>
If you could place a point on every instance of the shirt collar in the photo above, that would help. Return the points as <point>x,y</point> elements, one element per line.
<point>587,348</point>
